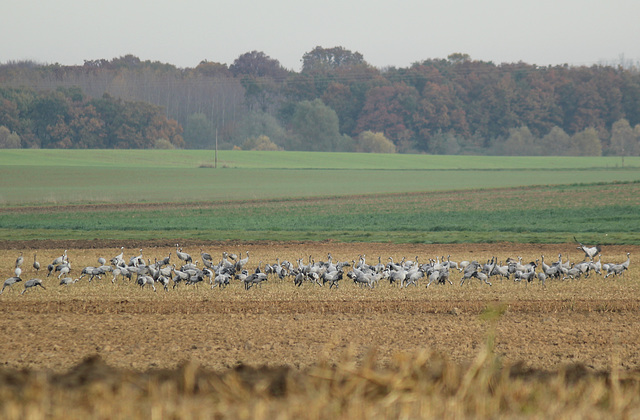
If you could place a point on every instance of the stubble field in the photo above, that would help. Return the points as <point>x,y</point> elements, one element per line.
<point>589,322</point>
<point>582,320</point>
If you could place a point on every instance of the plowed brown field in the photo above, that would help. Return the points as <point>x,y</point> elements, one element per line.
<point>587,320</point>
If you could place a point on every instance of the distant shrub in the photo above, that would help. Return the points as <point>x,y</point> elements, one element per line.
<point>163,144</point>
<point>262,143</point>
<point>9,140</point>
<point>370,142</point>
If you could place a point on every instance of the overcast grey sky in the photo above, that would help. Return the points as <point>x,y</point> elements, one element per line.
<point>387,33</point>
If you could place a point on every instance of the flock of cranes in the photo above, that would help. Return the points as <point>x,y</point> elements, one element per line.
<point>232,268</point>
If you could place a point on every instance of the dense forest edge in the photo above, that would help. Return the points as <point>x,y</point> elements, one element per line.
<point>336,102</point>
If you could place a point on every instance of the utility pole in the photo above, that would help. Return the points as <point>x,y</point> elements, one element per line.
<point>215,159</point>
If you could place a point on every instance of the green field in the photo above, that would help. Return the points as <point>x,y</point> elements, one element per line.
<point>316,196</point>
<point>187,159</point>
<point>61,177</point>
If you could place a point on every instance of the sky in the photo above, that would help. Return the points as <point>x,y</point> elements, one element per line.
<point>387,33</point>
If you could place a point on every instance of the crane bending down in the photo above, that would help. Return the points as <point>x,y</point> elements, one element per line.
<point>65,281</point>
<point>32,283</point>
<point>10,282</point>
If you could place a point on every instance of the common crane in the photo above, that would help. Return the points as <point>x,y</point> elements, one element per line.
<point>596,265</point>
<point>221,280</point>
<point>298,277</point>
<point>254,279</point>
<point>501,270</point>
<point>32,283</point>
<point>93,272</point>
<point>241,263</point>
<point>166,260</point>
<point>61,259</point>
<point>440,276</point>
<point>616,270</point>
<point>118,259</point>
<point>619,269</point>
<point>584,267</point>
<point>527,276</point>
<point>65,281</point>
<point>362,278</point>
<point>450,264</point>
<point>36,264</point>
<point>64,269</point>
<point>589,251</point>
<point>138,260</point>
<point>10,282</point>
<point>398,275</point>
<point>183,255</point>
<point>205,255</point>
<point>143,280</point>
<point>573,273</point>
<point>164,281</point>
<point>542,276</point>
<point>378,268</point>
<point>472,270</point>
<point>19,261</point>
<point>413,276</point>
<point>120,271</point>
<point>545,266</point>
<point>332,278</point>
<point>179,276</point>
<point>626,263</point>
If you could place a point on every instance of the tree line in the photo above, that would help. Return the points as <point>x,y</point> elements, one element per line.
<point>66,118</point>
<point>336,102</point>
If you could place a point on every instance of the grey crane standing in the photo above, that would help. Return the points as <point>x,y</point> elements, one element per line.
<point>19,261</point>
<point>118,259</point>
<point>241,263</point>
<point>183,255</point>
<point>36,264</point>
<point>205,255</point>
